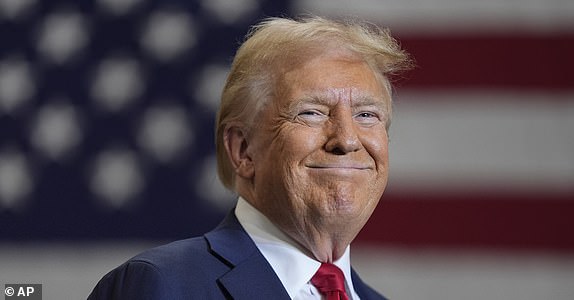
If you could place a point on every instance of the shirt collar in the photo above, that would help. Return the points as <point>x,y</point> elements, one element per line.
<point>287,258</point>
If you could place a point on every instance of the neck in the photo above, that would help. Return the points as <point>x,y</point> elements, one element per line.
<point>323,238</point>
<point>323,244</point>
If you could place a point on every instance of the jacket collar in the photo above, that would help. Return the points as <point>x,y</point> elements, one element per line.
<point>234,247</point>
<point>364,291</point>
<point>231,244</point>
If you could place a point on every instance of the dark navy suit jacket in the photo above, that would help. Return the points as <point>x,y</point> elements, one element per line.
<point>222,264</point>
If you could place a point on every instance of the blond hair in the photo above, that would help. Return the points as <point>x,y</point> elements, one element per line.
<point>276,43</point>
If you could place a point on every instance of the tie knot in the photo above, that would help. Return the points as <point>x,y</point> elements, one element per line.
<point>330,281</point>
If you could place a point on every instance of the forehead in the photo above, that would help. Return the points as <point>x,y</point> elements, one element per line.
<point>332,77</point>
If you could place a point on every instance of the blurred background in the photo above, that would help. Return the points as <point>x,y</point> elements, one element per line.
<point>106,140</point>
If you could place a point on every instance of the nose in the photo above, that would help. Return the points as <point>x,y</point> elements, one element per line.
<point>342,136</point>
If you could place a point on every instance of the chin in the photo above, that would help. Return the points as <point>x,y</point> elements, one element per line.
<point>346,205</point>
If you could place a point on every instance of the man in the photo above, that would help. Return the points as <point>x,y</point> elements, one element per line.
<point>302,138</point>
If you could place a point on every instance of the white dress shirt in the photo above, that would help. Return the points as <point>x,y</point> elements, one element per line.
<point>288,259</point>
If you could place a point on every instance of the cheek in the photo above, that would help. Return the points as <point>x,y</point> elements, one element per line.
<point>297,143</point>
<point>280,156</point>
<point>292,152</point>
<point>377,144</point>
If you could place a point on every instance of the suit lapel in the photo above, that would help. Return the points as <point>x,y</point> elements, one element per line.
<point>232,244</point>
<point>363,290</point>
<point>263,282</point>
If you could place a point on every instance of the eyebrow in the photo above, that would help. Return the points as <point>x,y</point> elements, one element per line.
<point>327,100</point>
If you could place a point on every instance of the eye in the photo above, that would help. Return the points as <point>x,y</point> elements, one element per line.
<point>312,117</point>
<point>310,113</point>
<point>367,118</point>
<point>367,115</point>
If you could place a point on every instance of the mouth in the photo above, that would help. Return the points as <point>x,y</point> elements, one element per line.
<point>339,166</point>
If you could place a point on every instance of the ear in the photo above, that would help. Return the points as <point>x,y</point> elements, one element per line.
<point>237,145</point>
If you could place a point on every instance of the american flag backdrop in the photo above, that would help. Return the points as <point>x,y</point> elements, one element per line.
<point>106,137</point>
<point>107,111</point>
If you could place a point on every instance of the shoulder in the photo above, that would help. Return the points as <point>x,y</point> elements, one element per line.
<point>363,290</point>
<point>188,251</point>
<point>165,272</point>
<point>369,293</point>
<point>131,280</point>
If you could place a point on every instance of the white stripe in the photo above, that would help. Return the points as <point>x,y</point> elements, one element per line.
<point>423,273</point>
<point>451,15</point>
<point>444,140</point>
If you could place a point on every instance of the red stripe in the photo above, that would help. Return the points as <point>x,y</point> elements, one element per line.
<point>501,61</point>
<point>517,222</point>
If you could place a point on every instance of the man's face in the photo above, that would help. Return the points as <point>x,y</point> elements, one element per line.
<point>320,149</point>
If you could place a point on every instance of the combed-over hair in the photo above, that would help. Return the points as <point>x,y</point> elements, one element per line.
<point>277,43</point>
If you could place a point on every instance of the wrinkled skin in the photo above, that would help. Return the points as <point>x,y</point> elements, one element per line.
<point>316,162</point>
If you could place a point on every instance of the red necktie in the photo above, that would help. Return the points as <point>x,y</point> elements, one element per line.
<point>330,281</point>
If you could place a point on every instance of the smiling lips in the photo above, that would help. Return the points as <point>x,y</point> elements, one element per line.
<point>340,166</point>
